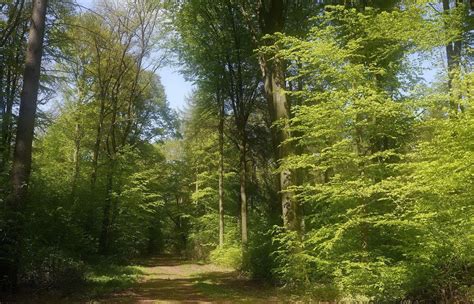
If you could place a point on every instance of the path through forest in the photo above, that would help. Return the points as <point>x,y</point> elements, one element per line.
<point>175,280</point>
<point>162,279</point>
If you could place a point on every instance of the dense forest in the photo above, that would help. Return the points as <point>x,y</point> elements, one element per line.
<point>327,147</point>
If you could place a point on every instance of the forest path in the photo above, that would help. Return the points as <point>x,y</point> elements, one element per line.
<point>175,280</point>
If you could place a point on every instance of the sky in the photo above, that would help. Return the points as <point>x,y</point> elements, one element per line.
<point>177,89</point>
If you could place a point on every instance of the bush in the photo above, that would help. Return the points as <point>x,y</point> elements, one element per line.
<point>259,260</point>
<point>230,256</point>
<point>49,268</point>
<point>293,263</point>
<point>375,281</point>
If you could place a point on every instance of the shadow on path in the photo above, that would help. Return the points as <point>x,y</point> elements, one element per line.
<point>175,280</point>
<point>163,279</point>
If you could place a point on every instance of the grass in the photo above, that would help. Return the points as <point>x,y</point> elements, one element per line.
<point>167,279</point>
<point>105,278</point>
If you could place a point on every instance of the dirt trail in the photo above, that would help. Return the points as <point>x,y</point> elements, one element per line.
<point>174,280</point>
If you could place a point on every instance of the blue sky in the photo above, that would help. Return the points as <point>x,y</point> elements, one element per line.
<point>176,88</point>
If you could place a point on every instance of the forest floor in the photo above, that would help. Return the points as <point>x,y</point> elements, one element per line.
<point>167,279</point>
<point>174,280</point>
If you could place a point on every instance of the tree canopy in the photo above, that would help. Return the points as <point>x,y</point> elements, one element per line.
<point>327,146</point>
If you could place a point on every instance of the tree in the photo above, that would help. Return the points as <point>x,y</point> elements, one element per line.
<point>267,18</point>
<point>24,136</point>
<point>232,71</point>
<point>221,170</point>
<point>121,87</point>
<point>12,57</point>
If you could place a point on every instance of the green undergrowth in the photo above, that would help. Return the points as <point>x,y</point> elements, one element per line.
<point>105,278</point>
<point>228,256</point>
<point>98,279</point>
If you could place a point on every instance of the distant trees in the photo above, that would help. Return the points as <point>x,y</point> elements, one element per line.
<point>117,47</point>
<point>220,57</point>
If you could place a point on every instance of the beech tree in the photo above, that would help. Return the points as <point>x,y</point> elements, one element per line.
<point>238,84</point>
<point>24,139</point>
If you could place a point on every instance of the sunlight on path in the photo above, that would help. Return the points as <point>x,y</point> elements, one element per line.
<point>174,280</point>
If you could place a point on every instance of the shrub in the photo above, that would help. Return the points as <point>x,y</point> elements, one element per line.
<point>293,262</point>
<point>229,256</point>
<point>50,268</point>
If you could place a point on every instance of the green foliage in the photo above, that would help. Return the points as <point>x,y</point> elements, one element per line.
<point>293,263</point>
<point>105,277</point>
<point>373,209</point>
<point>229,256</point>
<point>382,163</point>
<point>47,268</point>
<point>433,189</point>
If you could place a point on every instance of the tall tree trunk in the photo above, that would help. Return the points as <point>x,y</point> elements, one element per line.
<point>7,120</point>
<point>111,145</point>
<point>272,19</point>
<point>2,116</point>
<point>77,150</point>
<point>453,58</point>
<point>221,174</point>
<point>98,139</point>
<point>10,93</point>
<point>107,211</point>
<point>24,135</point>
<point>243,193</point>
<point>279,108</point>
<point>196,184</point>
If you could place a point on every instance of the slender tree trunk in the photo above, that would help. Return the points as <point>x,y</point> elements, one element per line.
<point>221,175</point>
<point>107,211</point>
<point>98,139</point>
<point>24,135</point>
<point>77,150</point>
<point>2,116</point>
<point>7,120</point>
<point>449,50</point>
<point>109,205</point>
<point>243,193</point>
<point>196,185</point>
<point>453,57</point>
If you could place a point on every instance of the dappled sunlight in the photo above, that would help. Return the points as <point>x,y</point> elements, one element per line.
<point>318,158</point>
<point>175,280</point>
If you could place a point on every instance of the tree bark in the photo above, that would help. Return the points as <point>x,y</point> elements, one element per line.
<point>77,150</point>
<point>221,174</point>
<point>7,119</point>
<point>243,193</point>
<point>196,185</point>
<point>281,109</point>
<point>24,135</point>
<point>106,216</point>
<point>453,59</point>
<point>2,116</point>
<point>98,139</point>
<point>272,20</point>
